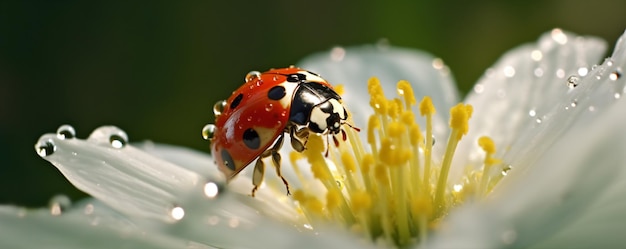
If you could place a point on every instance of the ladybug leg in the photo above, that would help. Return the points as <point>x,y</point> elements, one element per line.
<point>296,138</point>
<point>276,158</point>
<point>257,175</point>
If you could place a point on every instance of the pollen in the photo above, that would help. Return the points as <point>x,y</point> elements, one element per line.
<point>394,187</point>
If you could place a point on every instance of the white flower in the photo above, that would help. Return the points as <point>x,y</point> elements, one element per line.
<point>555,180</point>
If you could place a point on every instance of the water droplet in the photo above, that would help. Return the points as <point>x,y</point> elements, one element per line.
<point>582,71</point>
<point>269,107</point>
<point>538,72</point>
<point>591,108</point>
<point>212,189</point>
<point>433,138</point>
<point>177,213</point>
<point>253,75</point>
<point>560,73</point>
<point>118,141</point>
<point>457,187</point>
<point>506,170</point>
<point>58,204</point>
<point>89,208</point>
<point>509,71</point>
<point>609,62</point>
<point>615,75</point>
<point>558,36</point>
<point>233,223</point>
<point>308,226</point>
<point>218,108</point>
<point>337,53</point>
<point>617,95</point>
<point>538,120</point>
<point>572,81</point>
<point>438,63</point>
<point>46,148</point>
<point>532,112</point>
<point>208,131</point>
<point>66,132</point>
<point>574,103</point>
<point>536,55</point>
<point>479,88</point>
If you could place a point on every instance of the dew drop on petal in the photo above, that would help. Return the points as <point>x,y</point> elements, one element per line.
<point>211,189</point>
<point>591,108</point>
<point>89,208</point>
<point>617,95</point>
<point>337,53</point>
<point>438,63</point>
<point>558,36</point>
<point>233,223</point>
<point>58,204</point>
<point>609,62</point>
<point>509,71</point>
<point>532,112</point>
<point>177,213</point>
<point>572,81</point>
<point>536,55</point>
<point>218,107</point>
<point>46,148</point>
<point>252,75</point>
<point>574,103</point>
<point>208,131</point>
<point>615,75</point>
<point>506,169</point>
<point>538,120</point>
<point>560,73</point>
<point>66,132</point>
<point>118,141</point>
<point>538,72</point>
<point>479,88</point>
<point>582,71</point>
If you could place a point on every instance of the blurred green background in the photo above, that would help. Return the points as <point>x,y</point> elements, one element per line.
<point>155,68</point>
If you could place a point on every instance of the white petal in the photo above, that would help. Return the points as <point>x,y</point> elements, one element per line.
<point>568,187</point>
<point>522,89</point>
<point>354,66</point>
<point>125,178</point>
<point>21,228</point>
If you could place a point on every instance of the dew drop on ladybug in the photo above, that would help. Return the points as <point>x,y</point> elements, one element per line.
<point>253,122</point>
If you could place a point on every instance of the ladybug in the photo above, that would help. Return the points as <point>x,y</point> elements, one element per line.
<point>252,123</point>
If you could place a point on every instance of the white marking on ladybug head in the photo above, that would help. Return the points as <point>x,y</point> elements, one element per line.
<point>312,77</point>
<point>290,88</point>
<point>327,117</point>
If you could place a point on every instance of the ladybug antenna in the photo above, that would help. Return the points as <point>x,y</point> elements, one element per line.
<point>353,127</point>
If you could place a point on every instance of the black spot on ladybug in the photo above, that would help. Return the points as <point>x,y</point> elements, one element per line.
<point>236,101</point>
<point>296,77</point>
<point>228,160</point>
<point>251,139</point>
<point>276,93</point>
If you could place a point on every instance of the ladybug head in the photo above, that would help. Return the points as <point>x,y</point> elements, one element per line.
<point>327,117</point>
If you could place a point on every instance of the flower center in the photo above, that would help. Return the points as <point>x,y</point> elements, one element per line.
<point>395,190</point>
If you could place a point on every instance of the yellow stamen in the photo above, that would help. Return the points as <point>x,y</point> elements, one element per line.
<point>394,190</point>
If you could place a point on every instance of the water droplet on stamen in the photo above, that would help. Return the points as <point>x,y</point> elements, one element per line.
<point>337,54</point>
<point>211,190</point>
<point>118,141</point>
<point>66,132</point>
<point>572,81</point>
<point>615,75</point>
<point>208,131</point>
<point>218,107</point>
<point>252,75</point>
<point>177,213</point>
<point>46,148</point>
<point>58,204</point>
